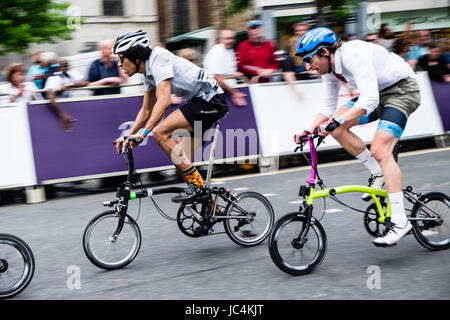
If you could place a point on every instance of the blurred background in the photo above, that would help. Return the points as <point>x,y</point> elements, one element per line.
<point>195,23</point>
<point>35,34</point>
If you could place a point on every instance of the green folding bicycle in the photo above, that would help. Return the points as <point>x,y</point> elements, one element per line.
<point>298,242</point>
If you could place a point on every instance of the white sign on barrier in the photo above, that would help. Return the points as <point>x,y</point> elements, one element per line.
<point>16,160</point>
<point>277,107</point>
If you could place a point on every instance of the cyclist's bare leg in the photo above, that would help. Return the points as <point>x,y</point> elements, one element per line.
<point>381,149</point>
<point>163,136</point>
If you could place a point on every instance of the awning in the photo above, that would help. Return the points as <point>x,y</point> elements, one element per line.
<point>184,41</point>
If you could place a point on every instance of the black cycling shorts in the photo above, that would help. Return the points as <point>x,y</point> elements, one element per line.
<point>200,112</point>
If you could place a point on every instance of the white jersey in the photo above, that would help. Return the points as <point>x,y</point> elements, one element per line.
<point>7,91</point>
<point>367,67</point>
<point>186,79</point>
<point>58,80</point>
<point>222,61</point>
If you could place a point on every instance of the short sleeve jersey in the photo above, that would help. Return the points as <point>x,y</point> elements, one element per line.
<point>186,79</point>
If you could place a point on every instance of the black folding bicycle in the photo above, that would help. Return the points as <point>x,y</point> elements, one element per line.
<point>16,265</point>
<point>112,239</point>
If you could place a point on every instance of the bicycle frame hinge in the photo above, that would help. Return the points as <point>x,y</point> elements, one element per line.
<point>304,191</point>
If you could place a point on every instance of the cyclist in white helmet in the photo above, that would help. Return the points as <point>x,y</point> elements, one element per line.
<point>165,74</point>
<point>388,91</point>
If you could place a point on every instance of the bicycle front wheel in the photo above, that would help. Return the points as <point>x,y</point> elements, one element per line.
<point>297,256</point>
<point>249,219</point>
<point>16,265</point>
<point>433,232</point>
<point>105,247</point>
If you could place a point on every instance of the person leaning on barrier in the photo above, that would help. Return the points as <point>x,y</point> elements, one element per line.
<point>256,56</point>
<point>56,86</point>
<point>434,63</point>
<point>37,70</point>
<point>105,71</point>
<point>220,61</point>
<point>16,89</point>
<point>64,79</point>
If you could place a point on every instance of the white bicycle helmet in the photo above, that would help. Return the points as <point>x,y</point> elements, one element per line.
<point>131,39</point>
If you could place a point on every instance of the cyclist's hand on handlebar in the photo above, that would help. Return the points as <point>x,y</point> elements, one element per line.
<point>133,141</point>
<point>301,138</point>
<point>120,144</point>
<point>329,126</point>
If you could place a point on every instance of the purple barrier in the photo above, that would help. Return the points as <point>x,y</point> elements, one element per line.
<point>89,149</point>
<point>441,92</point>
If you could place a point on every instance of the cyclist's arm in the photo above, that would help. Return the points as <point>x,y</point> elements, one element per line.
<point>366,81</point>
<point>145,112</point>
<point>320,118</point>
<point>161,105</point>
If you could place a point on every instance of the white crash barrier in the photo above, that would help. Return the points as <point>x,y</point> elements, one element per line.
<point>278,111</point>
<point>280,114</point>
<point>16,155</point>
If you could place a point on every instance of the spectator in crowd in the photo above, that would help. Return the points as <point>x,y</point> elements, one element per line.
<point>64,79</point>
<point>300,28</point>
<point>346,36</point>
<point>105,71</point>
<point>401,47</point>
<point>189,54</point>
<point>435,64</point>
<point>37,72</point>
<point>386,36</point>
<point>16,89</point>
<point>56,86</point>
<point>372,37</point>
<point>446,51</point>
<point>422,47</point>
<point>220,61</point>
<point>256,56</point>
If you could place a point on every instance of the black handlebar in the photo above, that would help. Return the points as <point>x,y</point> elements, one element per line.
<point>133,139</point>
<point>304,138</point>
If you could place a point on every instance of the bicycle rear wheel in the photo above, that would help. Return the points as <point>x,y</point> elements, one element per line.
<point>254,218</point>
<point>434,233</point>
<point>288,254</point>
<point>16,265</point>
<point>108,250</point>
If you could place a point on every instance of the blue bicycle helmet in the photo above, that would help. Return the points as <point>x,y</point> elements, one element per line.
<point>314,38</point>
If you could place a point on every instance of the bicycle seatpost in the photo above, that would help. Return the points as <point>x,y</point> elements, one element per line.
<point>211,154</point>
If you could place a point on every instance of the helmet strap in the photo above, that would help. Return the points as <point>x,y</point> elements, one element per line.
<point>329,64</point>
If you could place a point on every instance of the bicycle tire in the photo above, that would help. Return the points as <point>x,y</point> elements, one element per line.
<point>276,245</point>
<point>109,240</point>
<point>28,265</point>
<point>426,233</point>
<point>258,231</point>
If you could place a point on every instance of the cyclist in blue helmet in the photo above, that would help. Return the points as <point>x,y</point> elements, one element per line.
<point>387,91</point>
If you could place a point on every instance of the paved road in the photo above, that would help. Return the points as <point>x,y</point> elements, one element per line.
<point>173,266</point>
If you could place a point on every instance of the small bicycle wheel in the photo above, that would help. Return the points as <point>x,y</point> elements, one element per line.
<point>16,265</point>
<point>292,256</point>
<point>107,250</point>
<point>249,219</point>
<point>433,233</point>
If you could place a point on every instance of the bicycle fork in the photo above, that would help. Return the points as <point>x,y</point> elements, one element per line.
<point>300,241</point>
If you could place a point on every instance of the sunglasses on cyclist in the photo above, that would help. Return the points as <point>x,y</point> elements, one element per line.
<point>308,58</point>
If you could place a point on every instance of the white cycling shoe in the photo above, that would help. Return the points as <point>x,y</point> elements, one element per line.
<point>392,236</point>
<point>376,182</point>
